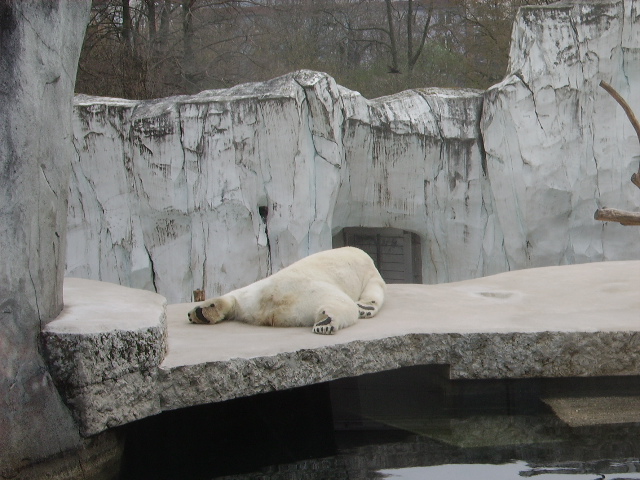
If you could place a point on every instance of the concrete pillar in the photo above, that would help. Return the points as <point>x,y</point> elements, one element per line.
<point>40,43</point>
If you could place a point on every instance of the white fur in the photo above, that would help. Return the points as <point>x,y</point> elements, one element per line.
<point>329,290</point>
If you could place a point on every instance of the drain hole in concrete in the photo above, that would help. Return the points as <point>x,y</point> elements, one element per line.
<point>503,295</point>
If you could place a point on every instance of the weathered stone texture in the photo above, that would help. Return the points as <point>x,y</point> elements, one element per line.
<point>237,183</point>
<point>219,189</point>
<point>558,146</point>
<point>108,359</point>
<point>470,356</point>
<point>103,358</point>
<point>414,161</point>
<point>40,43</point>
<point>222,188</point>
<point>114,402</point>
<point>99,459</point>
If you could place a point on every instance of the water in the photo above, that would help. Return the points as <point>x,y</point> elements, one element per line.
<point>509,471</point>
<point>411,423</point>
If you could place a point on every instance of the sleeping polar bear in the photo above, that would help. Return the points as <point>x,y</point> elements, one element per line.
<point>329,290</point>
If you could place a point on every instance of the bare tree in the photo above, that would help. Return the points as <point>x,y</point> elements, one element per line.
<point>154,48</point>
<point>188,61</point>
<point>414,54</point>
<point>393,44</point>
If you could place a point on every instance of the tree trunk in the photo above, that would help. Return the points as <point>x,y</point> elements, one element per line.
<point>127,30</point>
<point>394,67</point>
<point>410,21</point>
<point>412,58</point>
<point>151,19</point>
<point>165,17</point>
<point>188,76</point>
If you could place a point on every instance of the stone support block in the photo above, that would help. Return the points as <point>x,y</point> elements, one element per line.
<point>103,352</point>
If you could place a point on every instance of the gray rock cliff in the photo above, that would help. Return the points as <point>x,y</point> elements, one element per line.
<point>219,189</point>
<point>558,146</point>
<point>40,44</point>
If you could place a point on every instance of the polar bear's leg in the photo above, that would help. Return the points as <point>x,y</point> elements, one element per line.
<point>337,312</point>
<point>371,299</point>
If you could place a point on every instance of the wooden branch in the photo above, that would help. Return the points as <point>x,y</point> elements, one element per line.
<point>198,295</point>
<point>620,216</point>
<point>635,178</point>
<point>625,106</point>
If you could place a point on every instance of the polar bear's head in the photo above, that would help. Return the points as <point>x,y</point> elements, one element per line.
<point>211,311</point>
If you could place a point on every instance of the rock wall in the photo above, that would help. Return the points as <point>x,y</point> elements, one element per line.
<point>558,146</point>
<point>40,43</point>
<point>219,189</point>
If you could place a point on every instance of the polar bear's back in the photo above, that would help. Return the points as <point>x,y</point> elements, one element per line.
<point>348,268</point>
<point>295,295</point>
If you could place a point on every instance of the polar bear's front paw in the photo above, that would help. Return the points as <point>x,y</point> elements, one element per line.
<point>324,327</point>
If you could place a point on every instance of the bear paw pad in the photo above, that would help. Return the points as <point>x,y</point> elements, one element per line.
<point>324,327</point>
<point>365,311</point>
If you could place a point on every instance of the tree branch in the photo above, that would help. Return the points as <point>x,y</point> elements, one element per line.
<point>611,214</point>
<point>620,216</point>
<point>635,178</point>
<point>425,32</point>
<point>625,106</point>
<point>392,38</point>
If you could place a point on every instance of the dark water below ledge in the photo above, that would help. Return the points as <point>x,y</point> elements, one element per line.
<point>411,423</point>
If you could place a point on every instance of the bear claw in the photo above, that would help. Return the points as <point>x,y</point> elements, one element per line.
<point>324,330</point>
<point>324,327</point>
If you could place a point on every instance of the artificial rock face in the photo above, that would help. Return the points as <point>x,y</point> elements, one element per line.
<point>40,43</point>
<point>558,146</point>
<point>220,189</point>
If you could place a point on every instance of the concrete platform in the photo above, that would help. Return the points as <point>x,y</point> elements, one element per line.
<point>579,320</point>
<point>597,297</point>
<point>107,353</point>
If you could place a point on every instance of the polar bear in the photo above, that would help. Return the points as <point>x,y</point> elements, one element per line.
<point>328,291</point>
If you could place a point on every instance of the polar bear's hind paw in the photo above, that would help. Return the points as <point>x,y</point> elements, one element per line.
<point>366,311</point>
<point>324,327</point>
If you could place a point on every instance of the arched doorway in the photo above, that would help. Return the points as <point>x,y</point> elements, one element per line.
<point>396,253</point>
